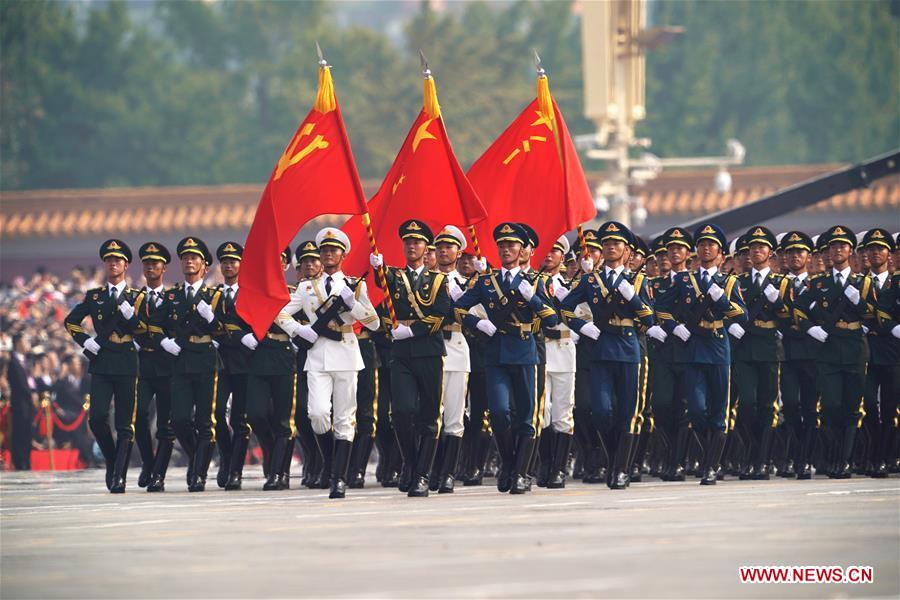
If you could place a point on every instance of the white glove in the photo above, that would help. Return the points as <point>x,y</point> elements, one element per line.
<point>587,265</point>
<point>526,290</point>
<point>376,260</point>
<point>657,333</point>
<point>307,333</point>
<point>561,292</point>
<point>590,330</point>
<point>771,293</point>
<point>402,332</point>
<point>852,294</point>
<point>136,345</point>
<point>456,292</point>
<point>715,292</point>
<point>779,335</point>
<point>91,345</point>
<point>574,336</point>
<point>896,331</point>
<point>205,311</point>
<point>736,330</point>
<point>817,333</point>
<point>250,341</point>
<point>169,345</point>
<point>865,330</point>
<point>348,297</point>
<point>215,344</point>
<point>681,332</point>
<point>481,265</point>
<point>626,289</point>
<point>486,327</point>
<point>126,309</point>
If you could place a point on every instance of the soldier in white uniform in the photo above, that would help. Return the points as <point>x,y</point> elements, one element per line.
<point>334,359</point>
<point>559,425</point>
<point>449,244</point>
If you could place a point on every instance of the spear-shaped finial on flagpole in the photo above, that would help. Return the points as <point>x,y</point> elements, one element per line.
<point>322,62</point>
<point>426,72</point>
<point>537,63</point>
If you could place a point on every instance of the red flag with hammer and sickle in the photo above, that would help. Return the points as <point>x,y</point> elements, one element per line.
<point>315,175</point>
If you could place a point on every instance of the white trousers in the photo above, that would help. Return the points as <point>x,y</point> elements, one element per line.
<point>559,402</point>
<point>333,393</point>
<point>455,387</point>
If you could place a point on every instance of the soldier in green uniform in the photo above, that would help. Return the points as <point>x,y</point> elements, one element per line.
<point>155,365</point>
<point>421,303</point>
<point>191,320</point>
<point>756,352</point>
<point>832,312</point>
<point>113,357</point>
<point>881,390</point>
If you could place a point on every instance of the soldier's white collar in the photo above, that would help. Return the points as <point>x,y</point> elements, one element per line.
<point>159,290</point>
<point>512,272</point>
<point>418,271</point>
<point>844,274</point>
<point>617,270</point>
<point>763,273</point>
<point>799,277</point>
<point>120,287</point>
<point>881,277</point>
<point>233,287</point>
<point>710,271</point>
<point>196,285</point>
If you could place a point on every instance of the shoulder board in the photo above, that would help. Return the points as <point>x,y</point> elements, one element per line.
<point>292,287</point>
<point>95,290</point>
<point>817,276</point>
<point>433,271</point>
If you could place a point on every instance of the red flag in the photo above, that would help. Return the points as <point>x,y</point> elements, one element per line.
<point>531,174</point>
<point>315,175</point>
<point>424,183</point>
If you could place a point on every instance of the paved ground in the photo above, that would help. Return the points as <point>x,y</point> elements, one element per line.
<point>64,537</point>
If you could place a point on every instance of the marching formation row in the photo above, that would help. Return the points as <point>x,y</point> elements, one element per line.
<point>690,356</point>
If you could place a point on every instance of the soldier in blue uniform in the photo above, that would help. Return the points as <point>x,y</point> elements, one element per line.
<point>832,312</point>
<point>114,310</point>
<point>512,304</point>
<point>618,301</point>
<point>757,351</point>
<point>705,302</point>
<point>155,366</point>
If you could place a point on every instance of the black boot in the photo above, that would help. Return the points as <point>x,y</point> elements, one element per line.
<point>507,450</point>
<point>675,469</point>
<point>560,461</point>
<point>804,464</point>
<point>120,466</point>
<point>596,464</point>
<point>285,481</point>
<point>236,464</point>
<point>763,451</point>
<point>638,456</point>
<point>160,466</point>
<point>619,475</point>
<point>315,461</point>
<point>882,454</point>
<point>481,447</point>
<point>224,466</point>
<point>434,478</point>
<point>340,463</point>
<point>712,457</point>
<point>546,444</point>
<point>452,447</point>
<point>409,451</point>
<point>202,457</point>
<point>424,461</point>
<point>524,449</point>
<point>276,465</point>
<point>359,461</point>
<point>326,447</point>
<point>843,468</point>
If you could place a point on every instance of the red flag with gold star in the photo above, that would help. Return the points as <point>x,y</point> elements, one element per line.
<point>425,183</point>
<point>315,175</point>
<point>531,174</point>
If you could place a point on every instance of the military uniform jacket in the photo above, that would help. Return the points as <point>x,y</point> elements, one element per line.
<point>883,346</point>
<point>826,305</point>
<point>235,355</point>
<point>455,344</point>
<point>559,342</point>
<point>513,343</point>
<point>191,331</point>
<point>615,316</point>
<point>424,306</point>
<point>760,341</point>
<point>326,354</point>
<point>154,361</point>
<point>796,343</point>
<point>117,356</point>
<point>707,320</point>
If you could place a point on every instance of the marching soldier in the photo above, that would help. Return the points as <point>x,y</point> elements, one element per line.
<point>757,351</point>
<point>366,408</point>
<point>235,349</point>
<point>882,379</point>
<point>155,365</point>
<point>512,304</point>
<point>704,302</point>
<point>618,300</point>
<point>332,302</point>
<point>190,322</point>
<point>799,394</point>
<point>421,303</point>
<point>832,312</point>
<point>113,310</point>
<point>558,421</point>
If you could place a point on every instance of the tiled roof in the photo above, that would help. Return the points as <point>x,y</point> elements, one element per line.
<point>124,211</point>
